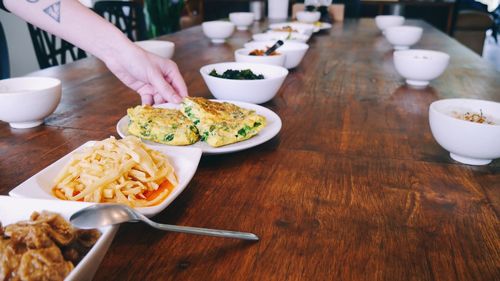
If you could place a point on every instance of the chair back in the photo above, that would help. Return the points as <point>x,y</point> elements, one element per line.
<point>4,56</point>
<point>126,15</point>
<point>51,50</point>
<point>352,8</point>
<point>470,28</point>
<point>192,14</point>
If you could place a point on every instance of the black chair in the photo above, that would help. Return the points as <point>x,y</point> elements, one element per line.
<point>470,28</point>
<point>127,16</point>
<point>51,50</point>
<point>4,56</point>
<point>470,22</point>
<point>352,8</point>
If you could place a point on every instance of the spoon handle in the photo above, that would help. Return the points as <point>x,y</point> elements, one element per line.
<point>204,231</point>
<point>273,48</point>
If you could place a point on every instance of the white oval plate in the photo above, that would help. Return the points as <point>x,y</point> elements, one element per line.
<point>302,27</point>
<point>184,159</point>
<point>272,129</point>
<point>276,35</point>
<point>305,28</point>
<point>325,25</point>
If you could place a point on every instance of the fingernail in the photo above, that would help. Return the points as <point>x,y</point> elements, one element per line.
<point>177,99</point>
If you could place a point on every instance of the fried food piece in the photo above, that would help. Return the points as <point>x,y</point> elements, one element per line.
<point>44,264</point>
<point>222,123</point>
<point>33,250</point>
<point>161,125</point>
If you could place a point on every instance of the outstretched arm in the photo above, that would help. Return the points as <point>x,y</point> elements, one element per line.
<point>156,79</point>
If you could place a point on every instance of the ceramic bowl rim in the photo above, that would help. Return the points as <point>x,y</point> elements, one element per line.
<point>53,83</point>
<point>283,72</point>
<point>433,105</point>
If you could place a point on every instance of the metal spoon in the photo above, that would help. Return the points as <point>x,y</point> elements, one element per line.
<point>108,214</point>
<point>273,48</point>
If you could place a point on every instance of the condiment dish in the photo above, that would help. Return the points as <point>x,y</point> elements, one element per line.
<point>13,210</point>
<point>419,67</point>
<point>294,51</point>
<point>243,55</point>
<point>26,101</point>
<point>468,142</point>
<point>252,91</point>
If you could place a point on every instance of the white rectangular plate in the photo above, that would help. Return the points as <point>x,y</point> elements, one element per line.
<point>184,159</point>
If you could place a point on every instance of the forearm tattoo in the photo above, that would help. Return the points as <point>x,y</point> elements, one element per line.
<point>53,11</point>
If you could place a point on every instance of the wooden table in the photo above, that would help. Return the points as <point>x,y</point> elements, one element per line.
<point>353,188</point>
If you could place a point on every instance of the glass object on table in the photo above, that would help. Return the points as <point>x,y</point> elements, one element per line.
<point>257,8</point>
<point>278,9</point>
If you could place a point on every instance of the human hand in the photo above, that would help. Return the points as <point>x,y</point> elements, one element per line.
<point>155,79</point>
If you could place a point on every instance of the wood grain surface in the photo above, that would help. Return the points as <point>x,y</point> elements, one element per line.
<point>353,188</point>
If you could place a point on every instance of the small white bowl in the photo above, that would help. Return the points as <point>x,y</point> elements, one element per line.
<point>26,101</point>
<point>402,37</point>
<point>252,91</point>
<point>218,31</point>
<point>294,51</point>
<point>308,17</point>
<point>13,210</point>
<point>241,20</point>
<point>164,49</point>
<point>242,55</point>
<point>419,67</point>
<point>285,36</point>
<point>387,21</point>
<point>468,142</point>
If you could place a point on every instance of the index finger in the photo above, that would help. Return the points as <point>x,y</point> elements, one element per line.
<point>174,78</point>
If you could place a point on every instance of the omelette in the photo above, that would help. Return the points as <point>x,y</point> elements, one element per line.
<point>168,126</point>
<point>222,123</point>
